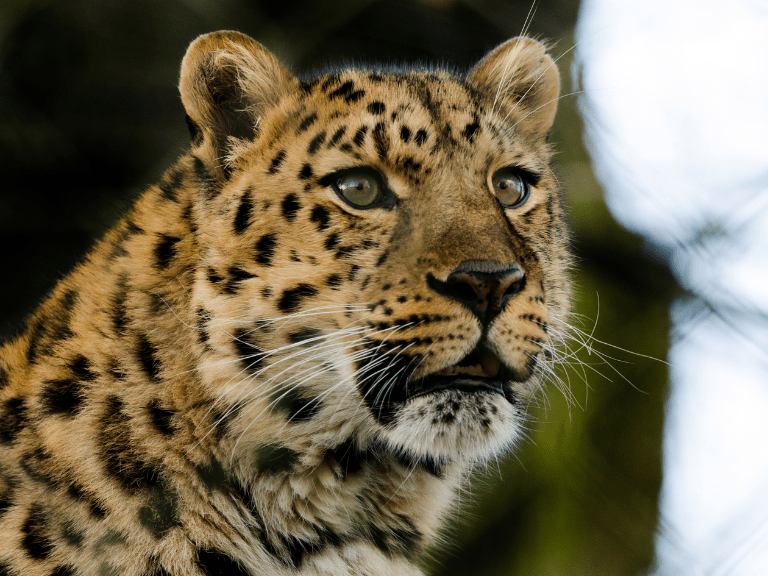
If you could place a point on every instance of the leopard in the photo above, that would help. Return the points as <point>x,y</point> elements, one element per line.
<point>293,351</point>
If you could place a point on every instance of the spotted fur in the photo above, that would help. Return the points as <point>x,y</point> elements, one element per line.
<point>240,377</point>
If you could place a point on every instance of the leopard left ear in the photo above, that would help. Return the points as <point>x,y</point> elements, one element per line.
<point>228,81</point>
<point>523,82</point>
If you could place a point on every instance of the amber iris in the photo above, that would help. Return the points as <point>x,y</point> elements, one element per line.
<point>360,188</point>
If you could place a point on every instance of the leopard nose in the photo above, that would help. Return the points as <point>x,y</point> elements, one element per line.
<point>483,286</point>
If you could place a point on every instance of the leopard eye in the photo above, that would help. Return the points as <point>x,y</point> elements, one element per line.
<point>360,187</point>
<point>509,187</point>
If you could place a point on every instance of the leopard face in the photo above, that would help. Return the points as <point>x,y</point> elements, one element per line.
<point>380,251</point>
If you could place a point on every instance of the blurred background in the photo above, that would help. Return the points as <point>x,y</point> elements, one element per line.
<point>90,116</point>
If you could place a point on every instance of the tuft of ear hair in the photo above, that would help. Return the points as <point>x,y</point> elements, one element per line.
<point>228,81</point>
<point>524,83</point>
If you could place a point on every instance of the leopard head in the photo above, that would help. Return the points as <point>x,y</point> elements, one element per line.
<point>384,250</point>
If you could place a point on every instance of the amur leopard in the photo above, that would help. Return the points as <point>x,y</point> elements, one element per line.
<point>286,358</point>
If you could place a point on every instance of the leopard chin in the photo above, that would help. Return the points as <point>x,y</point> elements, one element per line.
<point>467,411</point>
<point>466,420</point>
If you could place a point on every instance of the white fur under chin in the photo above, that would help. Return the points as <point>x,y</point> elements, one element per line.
<point>453,425</point>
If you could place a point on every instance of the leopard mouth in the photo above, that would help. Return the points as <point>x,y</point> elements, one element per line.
<point>479,371</point>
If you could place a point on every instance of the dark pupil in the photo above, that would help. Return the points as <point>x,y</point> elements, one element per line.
<point>510,182</point>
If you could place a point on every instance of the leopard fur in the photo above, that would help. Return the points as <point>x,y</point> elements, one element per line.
<point>234,380</point>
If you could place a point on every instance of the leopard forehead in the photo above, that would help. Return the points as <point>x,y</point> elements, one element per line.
<point>408,122</point>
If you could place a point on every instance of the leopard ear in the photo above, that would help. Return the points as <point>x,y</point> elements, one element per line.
<point>228,81</point>
<point>523,82</point>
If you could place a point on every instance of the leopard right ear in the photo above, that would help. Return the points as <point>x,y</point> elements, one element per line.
<point>228,81</point>
<point>524,83</point>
